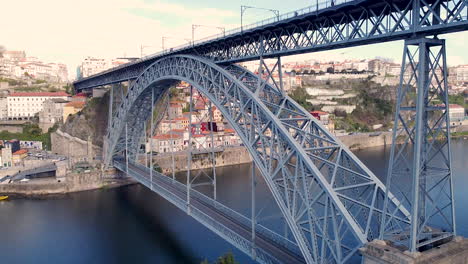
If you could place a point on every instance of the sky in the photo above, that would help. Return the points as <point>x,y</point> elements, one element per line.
<point>68,31</point>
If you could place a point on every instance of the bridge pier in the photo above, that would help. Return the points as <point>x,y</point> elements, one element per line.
<point>382,252</point>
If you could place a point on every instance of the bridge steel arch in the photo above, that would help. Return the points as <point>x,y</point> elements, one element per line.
<point>331,202</point>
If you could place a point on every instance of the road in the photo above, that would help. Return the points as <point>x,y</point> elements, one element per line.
<point>268,245</point>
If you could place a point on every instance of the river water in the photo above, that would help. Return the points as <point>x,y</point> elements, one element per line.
<point>133,225</point>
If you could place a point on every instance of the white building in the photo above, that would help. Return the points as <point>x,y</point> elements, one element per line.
<point>91,66</point>
<point>456,114</point>
<point>26,105</point>
<point>167,143</point>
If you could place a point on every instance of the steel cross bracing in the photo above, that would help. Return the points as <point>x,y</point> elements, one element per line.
<point>420,172</point>
<point>331,202</point>
<point>349,24</point>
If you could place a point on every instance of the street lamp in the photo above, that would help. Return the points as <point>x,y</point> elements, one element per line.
<point>164,38</point>
<point>142,47</point>
<point>244,8</point>
<point>223,29</point>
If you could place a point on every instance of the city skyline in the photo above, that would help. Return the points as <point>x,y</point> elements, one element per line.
<point>60,32</point>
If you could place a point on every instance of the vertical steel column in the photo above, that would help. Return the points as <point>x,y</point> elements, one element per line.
<point>126,147</point>
<point>212,149</point>
<point>151,139</point>
<point>111,102</point>
<point>420,170</point>
<point>145,150</point>
<point>189,151</point>
<point>171,138</point>
<point>254,213</point>
<point>280,74</point>
<point>109,127</point>
<point>420,142</point>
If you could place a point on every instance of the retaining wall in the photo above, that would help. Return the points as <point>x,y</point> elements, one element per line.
<point>230,156</point>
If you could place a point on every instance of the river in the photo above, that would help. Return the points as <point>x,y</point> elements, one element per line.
<point>133,225</point>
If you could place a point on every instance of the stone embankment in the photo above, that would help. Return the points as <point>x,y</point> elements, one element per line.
<point>230,156</point>
<point>367,140</point>
<point>71,182</point>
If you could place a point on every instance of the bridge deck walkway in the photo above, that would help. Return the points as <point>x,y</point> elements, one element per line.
<point>265,245</point>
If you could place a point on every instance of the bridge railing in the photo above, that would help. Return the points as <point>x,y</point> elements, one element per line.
<point>318,6</point>
<point>225,232</point>
<point>291,246</point>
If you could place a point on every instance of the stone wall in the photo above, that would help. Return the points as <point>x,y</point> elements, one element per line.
<point>72,182</point>
<point>74,148</point>
<point>230,156</point>
<point>367,140</point>
<point>12,128</point>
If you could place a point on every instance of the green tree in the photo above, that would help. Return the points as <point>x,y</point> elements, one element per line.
<point>228,258</point>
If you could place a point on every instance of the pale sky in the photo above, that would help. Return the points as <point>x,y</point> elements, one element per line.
<point>68,31</point>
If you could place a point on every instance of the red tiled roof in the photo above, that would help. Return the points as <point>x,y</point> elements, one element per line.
<point>76,104</point>
<point>450,105</point>
<point>167,136</point>
<point>319,112</point>
<point>229,130</point>
<point>49,94</point>
<point>20,152</point>
<point>80,95</point>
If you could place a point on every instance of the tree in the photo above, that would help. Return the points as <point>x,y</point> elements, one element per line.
<point>2,50</point>
<point>228,258</point>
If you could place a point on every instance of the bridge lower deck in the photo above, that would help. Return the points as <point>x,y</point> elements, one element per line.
<point>267,247</point>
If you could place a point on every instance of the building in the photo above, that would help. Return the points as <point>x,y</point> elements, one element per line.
<point>18,156</point>
<point>27,105</point>
<point>175,110</point>
<point>91,66</point>
<point>166,143</point>
<point>461,73</point>
<point>13,144</point>
<point>6,157</point>
<point>14,55</point>
<point>456,114</point>
<point>52,112</point>
<point>31,144</point>
<point>72,108</point>
<point>324,119</point>
<point>3,108</point>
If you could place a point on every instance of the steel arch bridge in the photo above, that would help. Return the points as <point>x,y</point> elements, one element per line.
<point>332,203</point>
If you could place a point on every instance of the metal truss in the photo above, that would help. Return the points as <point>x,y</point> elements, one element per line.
<point>331,202</point>
<point>420,173</point>
<point>349,24</point>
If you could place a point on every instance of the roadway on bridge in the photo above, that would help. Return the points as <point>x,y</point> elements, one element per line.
<point>276,250</point>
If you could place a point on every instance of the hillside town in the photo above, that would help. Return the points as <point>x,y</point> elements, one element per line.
<point>331,91</point>
<point>204,126</point>
<point>17,64</point>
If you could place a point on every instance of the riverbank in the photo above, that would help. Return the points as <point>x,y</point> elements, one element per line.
<point>71,183</point>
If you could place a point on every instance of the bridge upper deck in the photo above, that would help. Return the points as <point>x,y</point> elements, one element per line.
<point>327,26</point>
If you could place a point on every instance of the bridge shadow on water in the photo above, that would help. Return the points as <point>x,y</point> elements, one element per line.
<point>141,205</point>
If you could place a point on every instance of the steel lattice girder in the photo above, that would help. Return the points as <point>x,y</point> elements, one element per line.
<point>330,200</point>
<point>360,23</point>
<point>420,172</point>
<point>355,23</point>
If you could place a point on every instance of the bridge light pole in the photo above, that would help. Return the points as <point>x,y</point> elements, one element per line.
<point>223,29</point>
<point>244,8</point>
<point>142,47</point>
<point>165,38</point>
